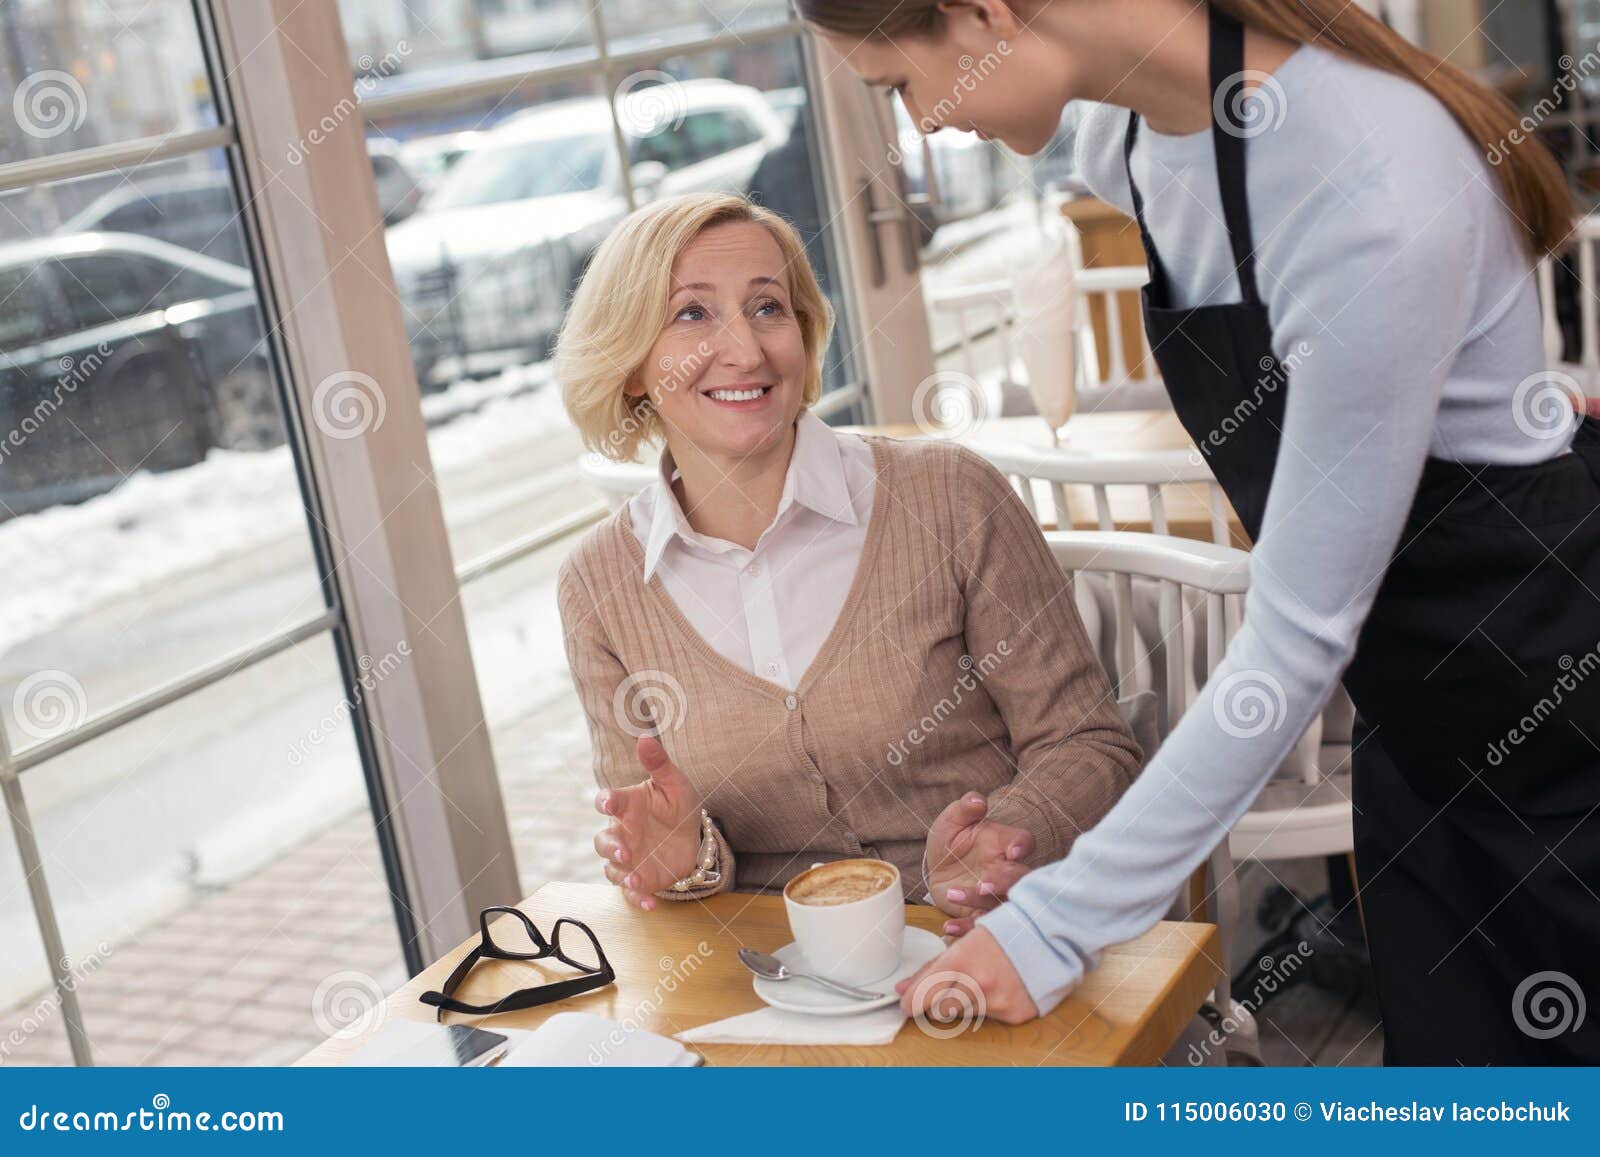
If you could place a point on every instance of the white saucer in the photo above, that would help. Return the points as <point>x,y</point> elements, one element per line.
<point>917,947</point>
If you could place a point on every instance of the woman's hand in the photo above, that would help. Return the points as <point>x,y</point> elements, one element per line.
<point>973,860</point>
<point>653,838</point>
<point>973,973</point>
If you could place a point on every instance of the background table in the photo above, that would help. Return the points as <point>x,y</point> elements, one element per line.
<point>1117,432</point>
<point>677,967</point>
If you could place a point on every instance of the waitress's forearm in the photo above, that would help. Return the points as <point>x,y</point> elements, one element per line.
<point>1121,876</point>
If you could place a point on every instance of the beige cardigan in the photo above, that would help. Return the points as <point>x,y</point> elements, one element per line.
<point>958,663</point>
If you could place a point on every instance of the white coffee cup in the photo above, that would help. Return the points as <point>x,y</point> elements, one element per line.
<point>856,941</point>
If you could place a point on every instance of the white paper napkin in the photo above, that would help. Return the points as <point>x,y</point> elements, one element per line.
<point>774,1026</point>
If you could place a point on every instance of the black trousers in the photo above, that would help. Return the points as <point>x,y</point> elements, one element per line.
<point>1483,923</point>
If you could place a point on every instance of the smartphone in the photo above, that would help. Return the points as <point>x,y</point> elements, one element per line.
<point>413,1044</point>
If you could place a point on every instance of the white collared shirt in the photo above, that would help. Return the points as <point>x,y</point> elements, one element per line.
<point>770,609</point>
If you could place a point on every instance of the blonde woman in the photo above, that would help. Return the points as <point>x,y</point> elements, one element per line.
<point>799,645</point>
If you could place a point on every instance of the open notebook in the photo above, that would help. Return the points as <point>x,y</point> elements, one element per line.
<point>583,1039</point>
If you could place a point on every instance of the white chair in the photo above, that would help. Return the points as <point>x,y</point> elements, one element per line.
<point>1213,574</point>
<point>616,481</point>
<point>990,307</point>
<point>1305,811</point>
<point>1111,286</point>
<point>1045,472</point>
<point>1041,476</point>
<point>1586,368</point>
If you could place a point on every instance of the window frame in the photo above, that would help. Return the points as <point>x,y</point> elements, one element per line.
<point>275,68</point>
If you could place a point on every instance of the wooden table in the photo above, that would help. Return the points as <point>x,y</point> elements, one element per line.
<point>678,967</point>
<point>1119,432</point>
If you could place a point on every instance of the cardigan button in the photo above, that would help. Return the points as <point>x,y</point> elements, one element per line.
<point>791,702</point>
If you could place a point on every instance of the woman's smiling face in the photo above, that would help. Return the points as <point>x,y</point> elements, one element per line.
<point>727,375</point>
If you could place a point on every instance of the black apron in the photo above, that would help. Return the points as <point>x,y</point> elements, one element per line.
<point>1478,853</point>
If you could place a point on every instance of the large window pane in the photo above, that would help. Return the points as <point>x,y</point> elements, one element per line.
<point>216,875</point>
<point>79,74</point>
<point>401,45</point>
<point>518,192</point>
<point>151,519</point>
<point>646,24</point>
<point>744,116</point>
<point>541,740</point>
<point>31,1027</point>
<point>977,207</point>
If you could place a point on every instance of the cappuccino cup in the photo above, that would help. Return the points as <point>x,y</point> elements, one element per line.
<point>848,918</point>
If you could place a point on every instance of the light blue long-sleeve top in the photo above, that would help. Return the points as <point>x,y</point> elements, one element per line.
<point>1404,304</point>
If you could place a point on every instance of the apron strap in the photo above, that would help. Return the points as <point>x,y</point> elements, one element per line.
<point>1227,61</point>
<point>1227,76</point>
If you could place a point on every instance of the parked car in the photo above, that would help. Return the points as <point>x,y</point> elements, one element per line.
<point>485,266</point>
<point>118,353</point>
<point>430,158</point>
<point>196,211</point>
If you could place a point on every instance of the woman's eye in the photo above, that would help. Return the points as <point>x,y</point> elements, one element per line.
<point>691,313</point>
<point>775,306</point>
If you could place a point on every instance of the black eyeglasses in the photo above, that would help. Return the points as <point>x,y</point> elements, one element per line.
<point>586,956</point>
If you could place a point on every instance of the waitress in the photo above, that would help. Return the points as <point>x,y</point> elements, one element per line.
<point>1343,305</point>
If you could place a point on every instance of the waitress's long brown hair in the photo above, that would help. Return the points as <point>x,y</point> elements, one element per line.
<point>1532,183</point>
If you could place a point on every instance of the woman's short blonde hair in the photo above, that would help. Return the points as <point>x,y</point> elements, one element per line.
<point>620,307</point>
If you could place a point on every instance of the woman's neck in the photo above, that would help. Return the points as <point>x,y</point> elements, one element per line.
<point>1168,81</point>
<point>734,499</point>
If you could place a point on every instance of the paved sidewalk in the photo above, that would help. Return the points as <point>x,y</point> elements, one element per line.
<point>234,978</point>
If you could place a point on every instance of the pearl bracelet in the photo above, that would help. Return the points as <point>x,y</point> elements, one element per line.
<point>706,872</point>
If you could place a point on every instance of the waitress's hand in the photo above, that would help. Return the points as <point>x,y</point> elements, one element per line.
<point>973,860</point>
<point>653,838</point>
<point>972,978</point>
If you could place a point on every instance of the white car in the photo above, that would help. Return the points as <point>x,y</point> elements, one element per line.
<point>430,158</point>
<point>487,263</point>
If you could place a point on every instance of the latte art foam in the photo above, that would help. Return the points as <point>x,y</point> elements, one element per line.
<point>841,883</point>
